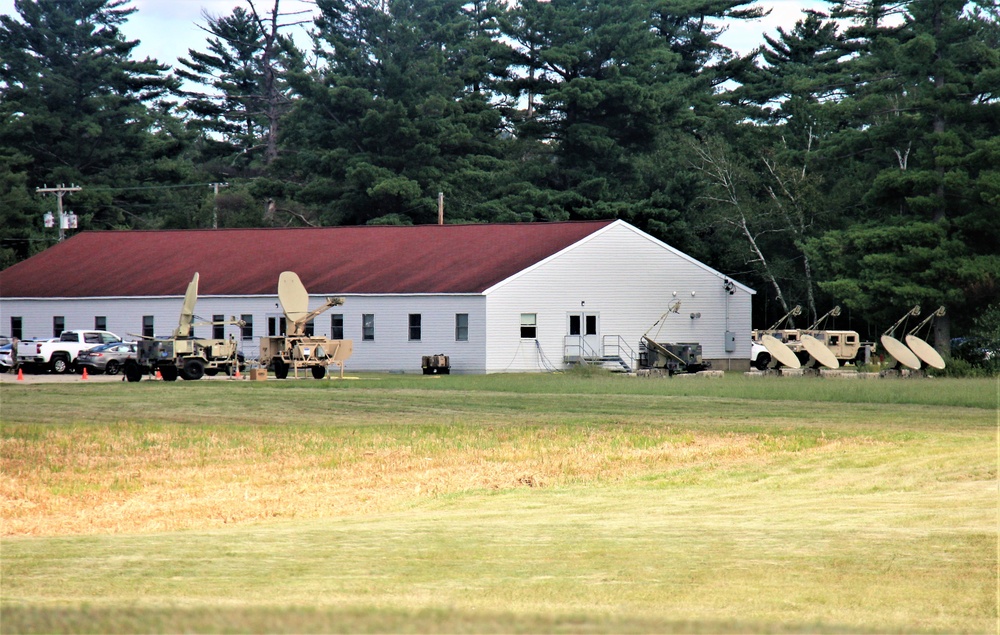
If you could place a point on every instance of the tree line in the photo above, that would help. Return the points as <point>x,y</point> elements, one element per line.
<point>851,160</point>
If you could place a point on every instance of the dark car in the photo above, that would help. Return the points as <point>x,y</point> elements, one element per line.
<point>106,358</point>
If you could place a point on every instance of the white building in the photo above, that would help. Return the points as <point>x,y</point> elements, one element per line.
<point>494,298</point>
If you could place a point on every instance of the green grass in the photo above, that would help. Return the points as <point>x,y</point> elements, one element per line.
<point>501,504</point>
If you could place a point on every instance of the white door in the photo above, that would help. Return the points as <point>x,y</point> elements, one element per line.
<point>584,333</point>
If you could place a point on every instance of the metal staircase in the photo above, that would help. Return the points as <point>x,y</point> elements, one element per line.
<point>615,354</point>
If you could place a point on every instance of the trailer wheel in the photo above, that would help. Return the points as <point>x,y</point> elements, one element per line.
<point>133,372</point>
<point>319,372</point>
<point>193,370</point>
<point>280,368</point>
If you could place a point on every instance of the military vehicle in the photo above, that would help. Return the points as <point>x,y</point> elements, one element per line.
<point>182,354</point>
<point>680,357</point>
<point>814,346</point>
<point>295,349</point>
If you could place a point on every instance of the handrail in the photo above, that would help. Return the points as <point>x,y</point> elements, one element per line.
<point>619,345</point>
<point>583,349</point>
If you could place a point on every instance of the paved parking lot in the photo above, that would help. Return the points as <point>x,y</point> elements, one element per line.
<point>52,378</point>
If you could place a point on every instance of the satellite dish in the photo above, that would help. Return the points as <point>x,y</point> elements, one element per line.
<point>780,352</point>
<point>293,296</point>
<point>819,351</point>
<point>899,351</point>
<point>925,351</point>
<point>187,310</point>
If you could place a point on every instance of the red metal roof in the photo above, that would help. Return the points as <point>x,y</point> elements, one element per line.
<point>328,260</point>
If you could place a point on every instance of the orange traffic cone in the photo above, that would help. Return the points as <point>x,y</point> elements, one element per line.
<point>84,378</point>
<point>158,375</point>
<point>238,372</point>
<point>20,375</point>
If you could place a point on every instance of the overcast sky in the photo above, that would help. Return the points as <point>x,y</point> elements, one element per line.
<point>168,28</point>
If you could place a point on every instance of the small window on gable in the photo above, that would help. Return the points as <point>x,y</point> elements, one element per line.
<point>528,325</point>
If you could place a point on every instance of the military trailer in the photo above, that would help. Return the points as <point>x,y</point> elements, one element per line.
<point>680,357</point>
<point>183,355</point>
<point>296,349</point>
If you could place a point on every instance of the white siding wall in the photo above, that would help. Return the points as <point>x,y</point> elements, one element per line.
<point>390,351</point>
<point>629,279</point>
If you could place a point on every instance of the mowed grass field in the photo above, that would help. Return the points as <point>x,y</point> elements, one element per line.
<point>514,503</point>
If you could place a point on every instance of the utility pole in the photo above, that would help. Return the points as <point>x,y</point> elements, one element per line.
<point>215,204</point>
<point>64,222</point>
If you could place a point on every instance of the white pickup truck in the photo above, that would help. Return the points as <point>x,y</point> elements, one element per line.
<point>59,355</point>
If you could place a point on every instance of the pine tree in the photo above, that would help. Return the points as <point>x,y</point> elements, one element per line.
<point>78,109</point>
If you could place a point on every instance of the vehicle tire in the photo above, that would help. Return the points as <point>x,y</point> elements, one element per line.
<point>194,369</point>
<point>212,372</point>
<point>762,361</point>
<point>133,372</point>
<point>280,368</point>
<point>112,368</point>
<point>319,372</point>
<point>168,373</point>
<point>60,365</point>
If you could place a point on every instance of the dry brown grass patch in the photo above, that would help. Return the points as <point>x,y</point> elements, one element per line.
<point>124,478</point>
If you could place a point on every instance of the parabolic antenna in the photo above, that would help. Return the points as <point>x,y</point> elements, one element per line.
<point>780,352</point>
<point>819,351</point>
<point>187,310</point>
<point>293,296</point>
<point>899,351</point>
<point>925,351</point>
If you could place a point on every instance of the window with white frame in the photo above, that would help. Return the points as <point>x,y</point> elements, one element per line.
<point>461,327</point>
<point>529,323</point>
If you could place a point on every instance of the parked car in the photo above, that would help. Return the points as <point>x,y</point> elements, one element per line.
<point>106,358</point>
<point>6,357</point>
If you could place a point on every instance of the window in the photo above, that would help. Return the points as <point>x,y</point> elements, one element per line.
<point>246,331</point>
<point>574,325</point>
<point>414,327</point>
<point>147,326</point>
<point>591,324</point>
<point>461,327</point>
<point>92,338</point>
<point>100,323</point>
<point>107,338</point>
<point>58,325</point>
<point>368,327</point>
<point>309,329</point>
<point>337,326</point>
<point>16,328</point>
<point>528,325</point>
<point>275,326</point>
<point>218,330</point>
